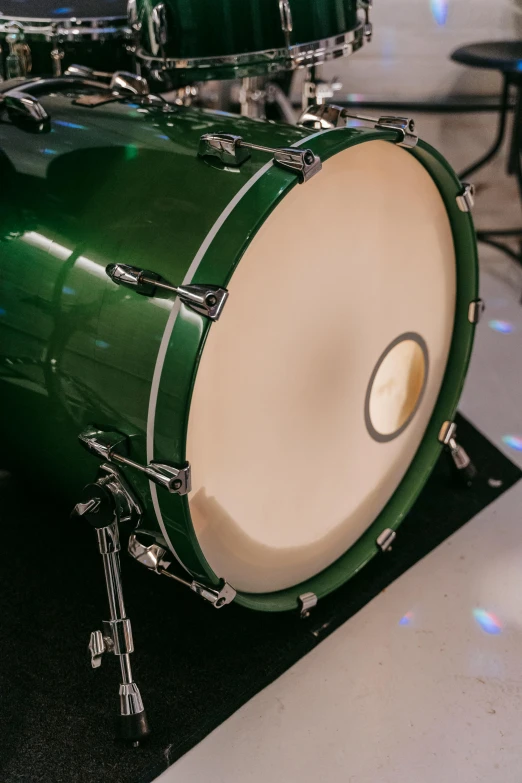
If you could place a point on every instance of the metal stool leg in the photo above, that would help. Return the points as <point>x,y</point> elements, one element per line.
<point>501,133</point>
<point>492,237</point>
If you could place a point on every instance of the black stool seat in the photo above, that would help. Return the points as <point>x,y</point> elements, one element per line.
<point>505,56</point>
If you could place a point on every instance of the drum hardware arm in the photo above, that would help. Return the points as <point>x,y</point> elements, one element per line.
<point>207,300</point>
<point>155,558</point>
<point>233,150</point>
<point>463,464</point>
<point>102,510</point>
<point>108,446</point>
<point>328,115</point>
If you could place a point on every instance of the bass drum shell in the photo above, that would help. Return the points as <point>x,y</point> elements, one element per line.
<point>120,185</point>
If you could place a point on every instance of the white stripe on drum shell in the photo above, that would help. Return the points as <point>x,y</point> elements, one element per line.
<point>160,361</point>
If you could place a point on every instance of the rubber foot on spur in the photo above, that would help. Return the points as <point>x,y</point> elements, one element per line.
<point>132,728</point>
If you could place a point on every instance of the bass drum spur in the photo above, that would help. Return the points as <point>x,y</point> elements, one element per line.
<point>265,327</point>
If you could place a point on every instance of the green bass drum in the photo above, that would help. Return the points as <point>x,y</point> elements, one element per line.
<point>208,39</point>
<point>308,414</point>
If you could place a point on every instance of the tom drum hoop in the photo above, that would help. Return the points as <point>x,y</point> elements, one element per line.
<point>40,39</point>
<point>230,38</point>
<point>309,413</point>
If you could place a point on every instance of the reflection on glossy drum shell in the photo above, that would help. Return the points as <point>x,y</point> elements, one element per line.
<point>310,412</point>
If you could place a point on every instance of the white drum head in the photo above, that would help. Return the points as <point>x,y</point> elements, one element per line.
<point>316,386</point>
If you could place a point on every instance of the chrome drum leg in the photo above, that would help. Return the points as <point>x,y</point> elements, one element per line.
<point>99,508</point>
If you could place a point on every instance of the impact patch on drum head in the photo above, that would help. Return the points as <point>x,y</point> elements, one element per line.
<point>396,387</point>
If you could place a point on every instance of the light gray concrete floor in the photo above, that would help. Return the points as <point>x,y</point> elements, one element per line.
<point>425,683</point>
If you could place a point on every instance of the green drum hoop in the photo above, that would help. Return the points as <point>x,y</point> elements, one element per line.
<point>122,186</point>
<point>237,38</point>
<point>187,340</point>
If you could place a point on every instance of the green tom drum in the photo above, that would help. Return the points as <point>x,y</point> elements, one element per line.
<point>37,38</point>
<point>309,414</point>
<point>207,39</point>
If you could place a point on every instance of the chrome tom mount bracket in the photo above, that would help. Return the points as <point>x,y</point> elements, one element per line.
<point>144,548</point>
<point>114,447</point>
<point>104,505</point>
<point>327,115</point>
<point>207,300</point>
<point>462,462</point>
<point>233,150</point>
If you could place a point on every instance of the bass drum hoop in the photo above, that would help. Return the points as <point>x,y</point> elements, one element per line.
<point>189,342</point>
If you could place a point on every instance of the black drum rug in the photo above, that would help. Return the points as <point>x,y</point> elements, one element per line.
<point>195,665</point>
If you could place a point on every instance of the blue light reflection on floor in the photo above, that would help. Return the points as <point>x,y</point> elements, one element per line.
<point>504,327</point>
<point>67,290</point>
<point>47,151</point>
<point>66,124</point>
<point>406,619</point>
<point>439,11</point>
<point>2,311</point>
<point>101,344</point>
<point>62,11</point>
<point>513,441</point>
<point>487,621</point>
